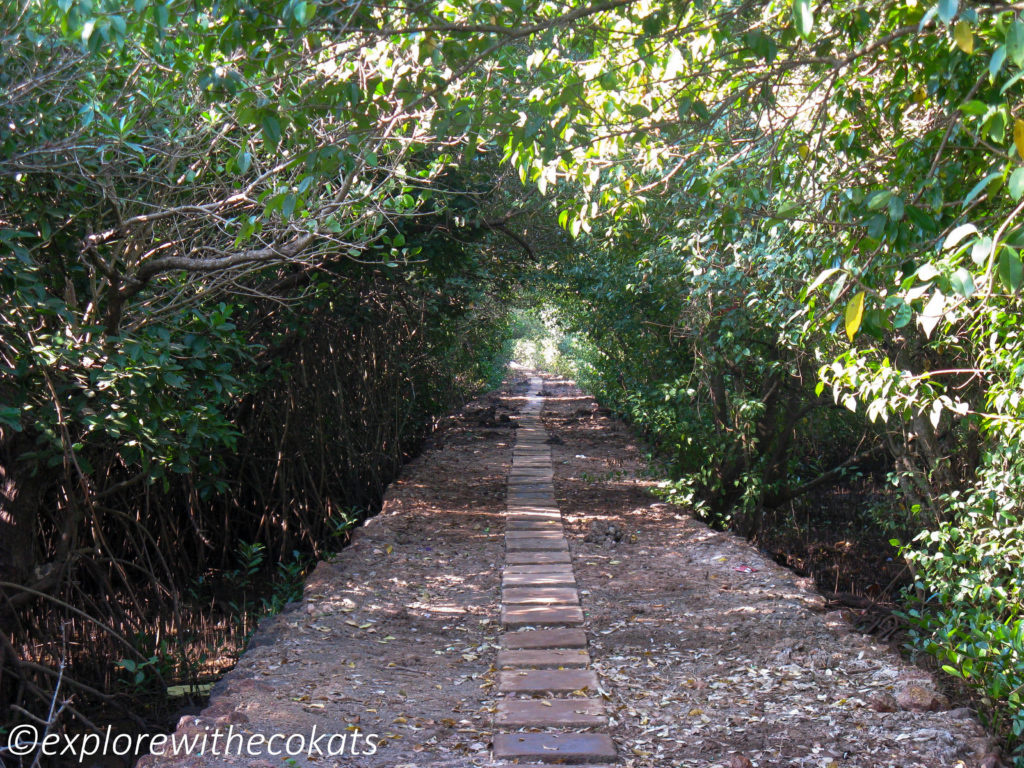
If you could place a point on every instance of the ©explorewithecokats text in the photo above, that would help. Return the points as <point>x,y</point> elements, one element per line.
<point>26,739</point>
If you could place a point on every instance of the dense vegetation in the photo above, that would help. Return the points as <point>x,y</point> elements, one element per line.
<point>250,250</point>
<point>225,327</point>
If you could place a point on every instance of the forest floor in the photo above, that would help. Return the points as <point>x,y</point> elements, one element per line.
<point>707,652</point>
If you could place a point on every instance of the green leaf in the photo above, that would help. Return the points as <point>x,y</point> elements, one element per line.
<point>879,199</point>
<point>271,130</point>
<point>854,315</point>
<point>1016,185</point>
<point>163,16</point>
<point>11,416</point>
<point>803,18</point>
<point>933,312</point>
<point>978,188</point>
<point>1011,271</point>
<point>974,107</point>
<point>996,126</point>
<point>921,219</point>
<point>896,208</point>
<point>981,249</point>
<point>837,288</point>
<point>996,62</point>
<point>963,283</point>
<point>1015,42</point>
<point>957,235</point>
<point>904,314</point>
<point>1011,82</point>
<point>820,279</point>
<point>288,205</point>
<point>948,9</point>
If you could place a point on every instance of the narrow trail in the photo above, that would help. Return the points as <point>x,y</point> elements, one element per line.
<point>539,598</point>
<point>523,599</point>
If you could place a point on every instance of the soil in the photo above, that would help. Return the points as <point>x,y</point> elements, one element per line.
<point>707,651</point>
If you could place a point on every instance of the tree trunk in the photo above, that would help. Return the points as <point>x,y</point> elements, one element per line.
<point>21,497</point>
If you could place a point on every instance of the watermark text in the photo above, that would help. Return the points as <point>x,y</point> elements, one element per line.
<point>28,739</point>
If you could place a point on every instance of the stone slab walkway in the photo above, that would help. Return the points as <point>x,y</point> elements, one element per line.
<point>550,694</point>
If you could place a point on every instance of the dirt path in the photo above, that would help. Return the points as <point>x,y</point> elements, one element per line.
<point>706,654</point>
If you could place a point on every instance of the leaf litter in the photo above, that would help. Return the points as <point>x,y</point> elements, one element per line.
<point>700,661</point>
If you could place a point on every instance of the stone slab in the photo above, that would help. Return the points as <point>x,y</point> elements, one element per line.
<point>533,517</point>
<point>525,526</point>
<point>514,497</point>
<point>546,616</point>
<point>564,748</point>
<point>544,638</point>
<point>549,659</point>
<point>534,595</point>
<point>514,580</point>
<point>549,532</point>
<point>530,522</point>
<point>546,680</point>
<point>537,544</point>
<point>550,713</point>
<point>559,568</point>
<point>536,558</point>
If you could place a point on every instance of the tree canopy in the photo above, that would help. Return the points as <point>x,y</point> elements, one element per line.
<point>786,237</point>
